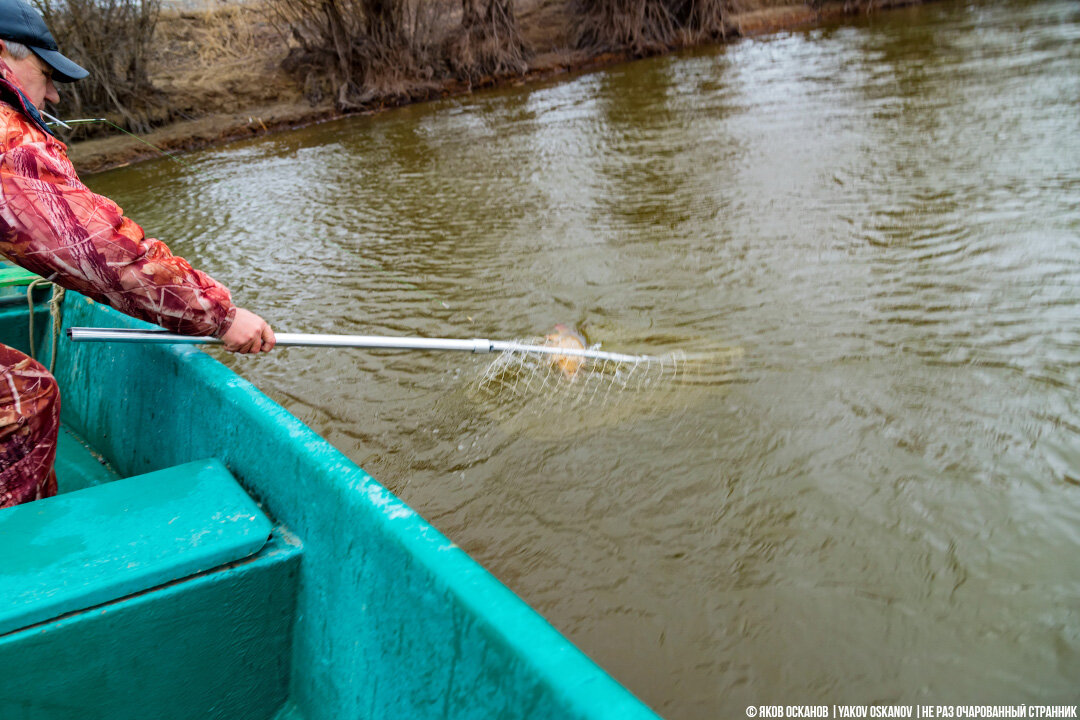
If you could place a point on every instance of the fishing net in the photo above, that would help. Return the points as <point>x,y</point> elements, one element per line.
<point>536,379</point>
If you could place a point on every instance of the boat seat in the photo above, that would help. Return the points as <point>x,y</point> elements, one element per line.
<point>92,546</point>
<point>13,276</point>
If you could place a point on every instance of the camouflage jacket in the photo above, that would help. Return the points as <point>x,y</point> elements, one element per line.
<point>53,225</point>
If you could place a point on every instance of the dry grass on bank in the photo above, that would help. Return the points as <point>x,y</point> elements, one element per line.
<point>220,59</point>
<point>218,65</point>
<point>223,56</point>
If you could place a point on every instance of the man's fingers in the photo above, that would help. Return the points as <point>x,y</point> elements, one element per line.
<point>249,334</point>
<point>269,340</point>
<point>247,347</point>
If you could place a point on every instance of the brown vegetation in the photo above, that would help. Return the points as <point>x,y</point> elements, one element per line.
<point>150,68</point>
<point>233,69</point>
<point>112,39</point>
<point>487,42</point>
<point>353,51</point>
<point>640,27</point>
<point>358,52</point>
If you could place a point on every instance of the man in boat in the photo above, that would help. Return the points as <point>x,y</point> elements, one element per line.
<point>53,225</point>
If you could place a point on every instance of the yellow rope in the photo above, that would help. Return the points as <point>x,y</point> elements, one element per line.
<point>55,303</point>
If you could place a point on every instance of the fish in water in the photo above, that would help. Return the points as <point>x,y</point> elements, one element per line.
<point>564,336</point>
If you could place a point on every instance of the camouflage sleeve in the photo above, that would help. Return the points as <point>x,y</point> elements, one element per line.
<point>52,224</point>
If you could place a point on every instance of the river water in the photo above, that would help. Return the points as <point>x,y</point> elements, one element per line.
<point>867,488</point>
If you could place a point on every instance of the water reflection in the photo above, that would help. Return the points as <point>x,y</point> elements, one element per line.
<point>871,495</point>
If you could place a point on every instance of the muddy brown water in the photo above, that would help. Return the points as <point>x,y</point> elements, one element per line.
<point>875,225</point>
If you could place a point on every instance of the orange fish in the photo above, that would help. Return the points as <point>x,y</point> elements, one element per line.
<point>564,336</point>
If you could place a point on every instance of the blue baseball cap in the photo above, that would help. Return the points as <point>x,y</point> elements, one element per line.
<point>21,23</point>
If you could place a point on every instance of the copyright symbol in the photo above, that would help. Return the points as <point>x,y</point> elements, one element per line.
<point>751,711</point>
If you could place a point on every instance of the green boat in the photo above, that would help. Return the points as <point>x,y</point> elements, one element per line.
<point>210,556</point>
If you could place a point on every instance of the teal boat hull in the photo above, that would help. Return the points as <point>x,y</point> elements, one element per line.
<point>375,614</point>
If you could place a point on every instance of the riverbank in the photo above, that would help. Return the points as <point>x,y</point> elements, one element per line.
<point>220,67</point>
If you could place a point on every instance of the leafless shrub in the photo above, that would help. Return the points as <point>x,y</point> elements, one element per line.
<point>487,43</point>
<point>701,18</point>
<point>113,40</point>
<point>644,27</point>
<point>640,27</point>
<point>355,51</point>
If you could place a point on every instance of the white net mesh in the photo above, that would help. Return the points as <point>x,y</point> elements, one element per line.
<point>527,393</point>
<point>530,378</point>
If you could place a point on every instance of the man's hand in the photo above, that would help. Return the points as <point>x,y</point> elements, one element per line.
<point>249,333</point>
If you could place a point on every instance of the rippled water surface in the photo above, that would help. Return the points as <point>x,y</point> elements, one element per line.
<point>873,494</point>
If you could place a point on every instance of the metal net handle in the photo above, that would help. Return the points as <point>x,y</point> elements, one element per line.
<point>474,345</point>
